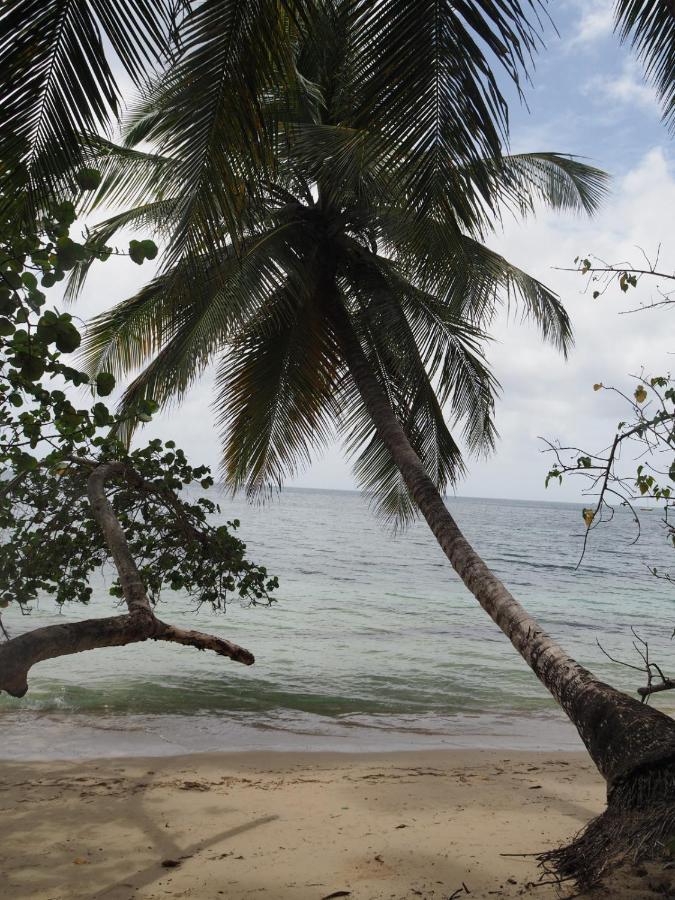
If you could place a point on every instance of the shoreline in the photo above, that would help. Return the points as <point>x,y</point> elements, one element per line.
<point>65,735</point>
<point>289,825</point>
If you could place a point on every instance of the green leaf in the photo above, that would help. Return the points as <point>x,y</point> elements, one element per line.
<point>105,383</point>
<point>67,337</point>
<point>88,179</point>
<point>101,414</point>
<point>12,279</point>
<point>149,249</point>
<point>139,251</point>
<point>33,368</point>
<point>136,252</point>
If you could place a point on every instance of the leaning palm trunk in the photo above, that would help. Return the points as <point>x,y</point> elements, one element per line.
<point>632,745</point>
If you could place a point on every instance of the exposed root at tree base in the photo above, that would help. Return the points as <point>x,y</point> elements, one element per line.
<point>638,825</point>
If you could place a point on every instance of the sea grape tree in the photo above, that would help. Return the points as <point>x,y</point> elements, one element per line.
<point>73,498</point>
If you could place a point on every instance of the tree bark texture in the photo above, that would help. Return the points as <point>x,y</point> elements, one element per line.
<point>18,655</point>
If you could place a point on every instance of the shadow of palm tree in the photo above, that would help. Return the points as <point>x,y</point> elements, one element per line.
<point>170,850</point>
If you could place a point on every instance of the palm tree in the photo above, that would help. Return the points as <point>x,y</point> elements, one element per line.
<point>354,294</point>
<point>325,174</point>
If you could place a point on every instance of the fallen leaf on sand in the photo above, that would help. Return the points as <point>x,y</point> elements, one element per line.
<point>80,862</point>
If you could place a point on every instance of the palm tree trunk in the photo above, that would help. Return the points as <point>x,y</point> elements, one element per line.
<point>632,745</point>
<point>621,734</point>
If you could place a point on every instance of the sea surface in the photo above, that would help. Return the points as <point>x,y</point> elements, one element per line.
<point>374,643</point>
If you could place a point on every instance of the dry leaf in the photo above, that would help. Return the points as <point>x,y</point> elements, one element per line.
<point>589,515</point>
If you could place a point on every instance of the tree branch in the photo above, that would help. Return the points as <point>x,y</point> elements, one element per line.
<point>131,582</point>
<point>667,685</point>
<point>201,641</point>
<point>20,654</point>
<point>615,270</point>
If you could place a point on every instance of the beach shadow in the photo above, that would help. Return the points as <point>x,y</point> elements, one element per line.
<point>170,850</point>
<point>118,877</point>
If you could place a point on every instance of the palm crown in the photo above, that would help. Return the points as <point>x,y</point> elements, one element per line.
<point>351,217</point>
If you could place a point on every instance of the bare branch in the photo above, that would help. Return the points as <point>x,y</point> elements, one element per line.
<point>665,684</point>
<point>615,270</point>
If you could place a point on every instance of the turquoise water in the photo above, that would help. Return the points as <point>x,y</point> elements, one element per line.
<point>374,644</point>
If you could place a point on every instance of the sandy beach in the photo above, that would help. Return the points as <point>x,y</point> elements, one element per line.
<point>290,826</point>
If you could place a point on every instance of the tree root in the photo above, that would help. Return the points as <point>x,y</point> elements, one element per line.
<point>638,825</point>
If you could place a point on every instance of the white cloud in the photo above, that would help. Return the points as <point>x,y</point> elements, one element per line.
<point>627,88</point>
<point>543,394</point>
<point>595,22</point>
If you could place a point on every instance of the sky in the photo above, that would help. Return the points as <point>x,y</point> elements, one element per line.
<point>587,97</point>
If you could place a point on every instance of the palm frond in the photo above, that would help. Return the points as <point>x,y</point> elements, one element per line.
<point>211,122</point>
<point>221,291</point>
<point>452,353</point>
<point>351,164</point>
<point>153,217</point>
<point>171,330</point>
<point>428,82</point>
<point>392,344</point>
<point>130,334</point>
<point>422,419</point>
<point>649,26</point>
<point>450,347</point>
<point>557,180</point>
<point>472,280</point>
<point>275,399</point>
<point>57,82</point>
<point>487,280</point>
<point>129,177</point>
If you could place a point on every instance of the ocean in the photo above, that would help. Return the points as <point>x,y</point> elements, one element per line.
<point>374,643</point>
